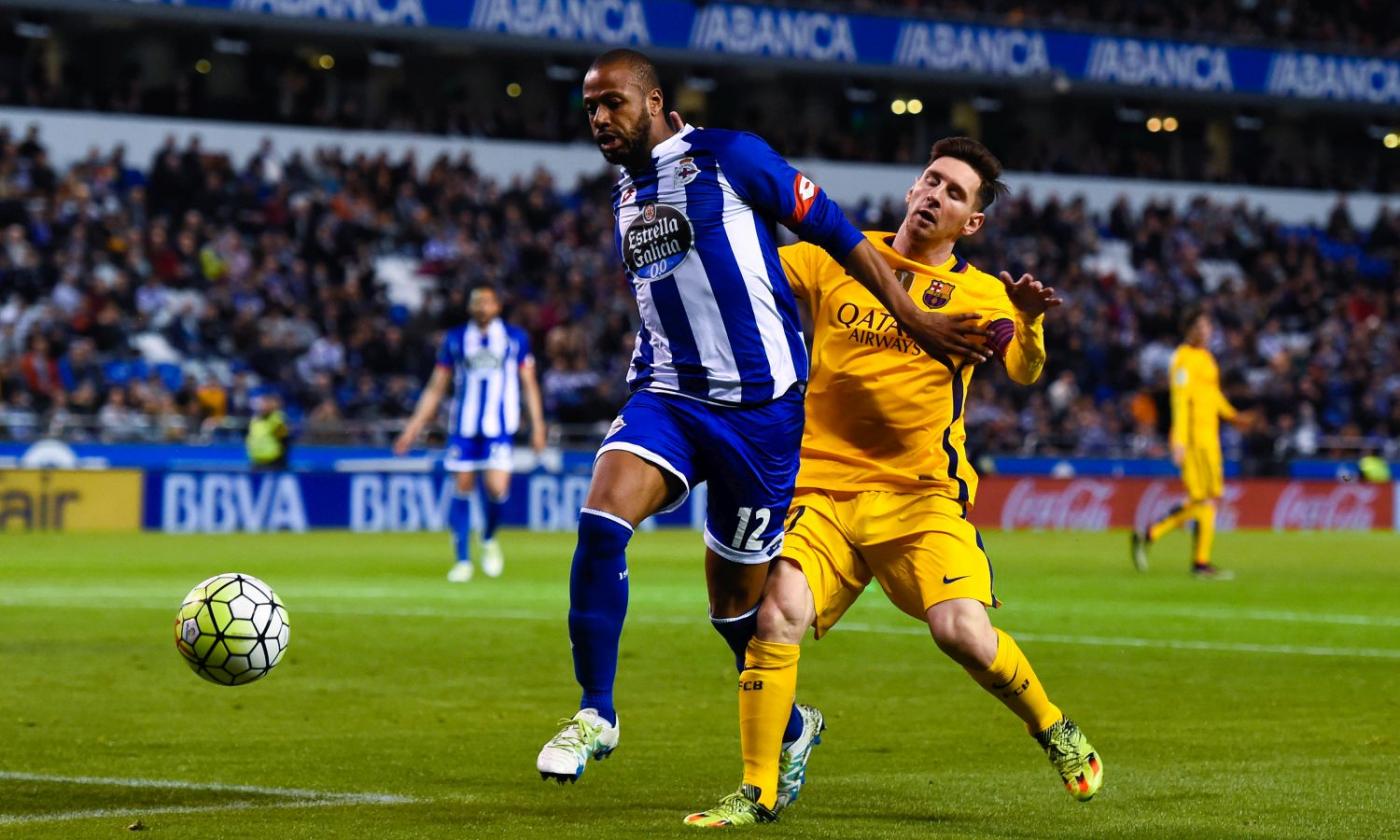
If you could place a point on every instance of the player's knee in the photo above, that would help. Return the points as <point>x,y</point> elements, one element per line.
<point>787,609</point>
<point>962,630</point>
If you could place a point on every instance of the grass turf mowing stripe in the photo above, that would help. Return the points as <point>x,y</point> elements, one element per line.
<point>51,597</point>
<point>851,627</point>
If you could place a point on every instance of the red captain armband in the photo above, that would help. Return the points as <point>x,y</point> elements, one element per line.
<point>804,193</point>
<point>1002,330</point>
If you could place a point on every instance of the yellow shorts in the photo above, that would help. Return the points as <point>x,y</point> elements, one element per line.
<point>919,547</point>
<point>1203,473</point>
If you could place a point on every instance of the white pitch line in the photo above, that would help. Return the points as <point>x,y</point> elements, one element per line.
<point>912,629</point>
<point>129,813</point>
<point>1226,614</point>
<point>1164,644</point>
<point>108,599</point>
<point>180,784</point>
<point>298,797</point>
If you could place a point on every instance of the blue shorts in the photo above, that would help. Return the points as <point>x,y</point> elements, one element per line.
<point>479,452</point>
<point>748,454</point>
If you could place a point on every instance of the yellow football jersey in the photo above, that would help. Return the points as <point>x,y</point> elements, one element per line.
<point>1197,402</point>
<point>881,414</point>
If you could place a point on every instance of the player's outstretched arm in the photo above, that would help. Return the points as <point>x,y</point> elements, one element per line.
<point>530,387</point>
<point>941,336</point>
<point>426,410</point>
<point>1023,351</point>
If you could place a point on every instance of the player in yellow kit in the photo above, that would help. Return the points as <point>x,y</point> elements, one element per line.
<point>885,485</point>
<point>1198,406</point>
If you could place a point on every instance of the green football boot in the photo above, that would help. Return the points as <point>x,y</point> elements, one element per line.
<point>1074,758</point>
<point>737,810</point>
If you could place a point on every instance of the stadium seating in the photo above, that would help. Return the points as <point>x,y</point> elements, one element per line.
<point>242,278</point>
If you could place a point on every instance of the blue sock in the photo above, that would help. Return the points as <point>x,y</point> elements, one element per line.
<point>494,507</point>
<point>597,606</point>
<point>459,519</point>
<point>737,631</point>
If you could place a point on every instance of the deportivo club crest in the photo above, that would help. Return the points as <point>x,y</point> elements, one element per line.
<point>938,294</point>
<point>686,170</point>
<point>656,242</point>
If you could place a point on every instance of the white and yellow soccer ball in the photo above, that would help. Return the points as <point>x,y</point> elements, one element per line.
<point>232,629</point>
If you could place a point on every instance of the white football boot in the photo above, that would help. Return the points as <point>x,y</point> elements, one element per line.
<point>461,572</point>
<point>492,560</point>
<point>792,766</point>
<point>586,735</point>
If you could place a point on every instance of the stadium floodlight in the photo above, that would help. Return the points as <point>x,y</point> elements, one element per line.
<point>513,90</point>
<point>1154,124</point>
<point>203,66</point>
<point>325,61</point>
<point>1169,124</point>
<point>916,106</point>
<point>898,107</point>
<point>1392,140</point>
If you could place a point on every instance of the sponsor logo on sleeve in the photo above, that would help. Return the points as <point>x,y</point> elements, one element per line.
<point>804,194</point>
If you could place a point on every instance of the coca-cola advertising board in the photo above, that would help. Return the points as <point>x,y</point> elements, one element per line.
<point>1097,504</point>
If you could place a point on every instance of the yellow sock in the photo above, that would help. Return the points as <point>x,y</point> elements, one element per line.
<point>1012,681</point>
<point>1205,531</point>
<point>1178,517</point>
<point>766,691</point>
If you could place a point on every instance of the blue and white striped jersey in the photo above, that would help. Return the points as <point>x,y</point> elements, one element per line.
<point>696,233</point>
<point>485,364</point>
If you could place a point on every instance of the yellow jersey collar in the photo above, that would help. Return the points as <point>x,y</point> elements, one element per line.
<point>884,243</point>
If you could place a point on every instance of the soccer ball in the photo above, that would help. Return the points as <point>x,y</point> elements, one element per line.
<point>232,629</point>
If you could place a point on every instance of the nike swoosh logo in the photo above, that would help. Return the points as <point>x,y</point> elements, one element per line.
<point>947,579</point>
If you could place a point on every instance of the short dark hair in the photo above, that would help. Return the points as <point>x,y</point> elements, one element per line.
<point>982,161</point>
<point>644,71</point>
<point>1191,316</point>
<point>484,286</point>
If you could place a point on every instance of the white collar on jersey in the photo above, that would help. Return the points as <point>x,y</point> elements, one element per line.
<point>666,146</point>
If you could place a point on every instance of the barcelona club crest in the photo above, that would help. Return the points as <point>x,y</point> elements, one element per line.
<point>938,294</point>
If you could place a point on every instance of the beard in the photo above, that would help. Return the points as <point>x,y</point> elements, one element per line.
<point>628,148</point>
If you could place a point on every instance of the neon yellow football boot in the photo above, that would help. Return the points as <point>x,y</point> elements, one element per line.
<point>1074,758</point>
<point>737,810</point>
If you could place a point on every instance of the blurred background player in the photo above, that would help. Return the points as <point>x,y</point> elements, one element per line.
<point>717,376</point>
<point>885,484</point>
<point>269,436</point>
<point>1198,406</point>
<point>490,367</point>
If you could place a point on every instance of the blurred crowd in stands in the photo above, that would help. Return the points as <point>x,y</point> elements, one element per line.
<point>332,80</point>
<point>156,299</point>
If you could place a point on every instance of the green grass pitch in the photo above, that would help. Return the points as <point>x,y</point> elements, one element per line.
<point>411,708</point>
